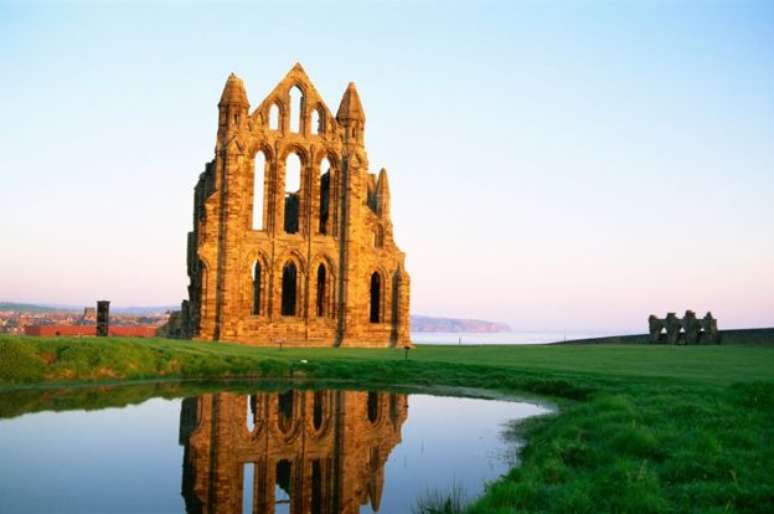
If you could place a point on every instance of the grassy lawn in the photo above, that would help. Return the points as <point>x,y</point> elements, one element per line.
<point>641,428</point>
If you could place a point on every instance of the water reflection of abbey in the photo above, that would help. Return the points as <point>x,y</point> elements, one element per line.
<point>319,452</point>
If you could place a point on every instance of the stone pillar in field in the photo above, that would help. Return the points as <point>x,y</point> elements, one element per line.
<point>103,318</point>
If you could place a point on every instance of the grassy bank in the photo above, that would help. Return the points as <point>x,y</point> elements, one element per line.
<point>641,429</point>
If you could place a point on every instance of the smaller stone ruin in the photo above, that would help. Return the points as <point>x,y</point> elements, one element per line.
<point>686,330</point>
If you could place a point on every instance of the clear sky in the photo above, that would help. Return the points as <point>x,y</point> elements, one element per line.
<point>553,165</point>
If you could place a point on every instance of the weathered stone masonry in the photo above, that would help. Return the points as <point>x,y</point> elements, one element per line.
<point>315,265</point>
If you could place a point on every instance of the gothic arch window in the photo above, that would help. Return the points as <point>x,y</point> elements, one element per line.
<point>292,193</point>
<point>325,196</point>
<point>376,298</point>
<point>251,414</point>
<point>274,116</point>
<point>321,290</point>
<point>257,288</point>
<point>289,284</point>
<point>317,121</point>
<point>296,109</point>
<point>259,169</point>
<point>285,408</point>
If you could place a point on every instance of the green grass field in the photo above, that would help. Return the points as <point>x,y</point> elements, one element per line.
<point>641,428</point>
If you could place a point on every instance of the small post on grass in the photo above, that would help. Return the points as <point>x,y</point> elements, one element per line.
<point>406,350</point>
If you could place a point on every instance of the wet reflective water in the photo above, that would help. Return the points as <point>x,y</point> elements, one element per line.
<point>295,451</point>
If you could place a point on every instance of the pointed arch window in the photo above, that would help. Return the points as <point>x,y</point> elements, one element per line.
<point>321,291</point>
<point>292,193</point>
<point>376,298</point>
<point>296,109</point>
<point>257,288</point>
<point>274,117</point>
<point>325,195</point>
<point>317,121</point>
<point>289,281</point>
<point>259,169</point>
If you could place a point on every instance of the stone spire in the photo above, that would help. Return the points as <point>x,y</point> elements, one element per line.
<point>350,108</point>
<point>234,93</point>
<point>383,194</point>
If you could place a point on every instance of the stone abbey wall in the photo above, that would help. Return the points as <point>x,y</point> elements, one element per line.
<point>308,451</point>
<point>321,267</point>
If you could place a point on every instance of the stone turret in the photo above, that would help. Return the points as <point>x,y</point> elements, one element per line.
<point>351,116</point>
<point>233,107</point>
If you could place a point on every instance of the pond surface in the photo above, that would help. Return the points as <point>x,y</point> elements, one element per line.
<point>323,451</point>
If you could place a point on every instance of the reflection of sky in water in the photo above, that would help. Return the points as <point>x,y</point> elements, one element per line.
<point>448,441</point>
<point>130,460</point>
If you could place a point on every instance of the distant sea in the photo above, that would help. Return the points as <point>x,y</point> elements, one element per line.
<point>506,337</point>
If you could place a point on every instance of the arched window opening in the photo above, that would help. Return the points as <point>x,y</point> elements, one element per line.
<point>289,289</point>
<point>318,121</point>
<point>282,489</point>
<point>376,296</point>
<point>325,195</point>
<point>257,288</point>
<point>296,113</point>
<point>321,291</point>
<point>373,407</point>
<point>274,117</point>
<point>285,410</point>
<point>292,193</point>
<point>259,169</point>
<point>251,408</point>
<point>317,408</point>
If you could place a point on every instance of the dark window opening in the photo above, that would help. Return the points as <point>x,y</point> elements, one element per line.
<point>257,288</point>
<point>285,410</point>
<point>316,487</point>
<point>373,407</point>
<point>321,291</point>
<point>372,201</point>
<point>291,213</point>
<point>282,491</point>
<point>289,289</point>
<point>317,415</point>
<point>325,189</point>
<point>376,295</point>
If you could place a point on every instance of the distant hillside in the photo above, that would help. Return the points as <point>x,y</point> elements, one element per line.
<point>432,324</point>
<point>128,311</point>
<point>29,307</point>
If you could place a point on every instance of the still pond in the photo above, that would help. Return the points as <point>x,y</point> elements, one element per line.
<point>315,451</point>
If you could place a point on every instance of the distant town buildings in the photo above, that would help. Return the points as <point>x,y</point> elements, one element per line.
<point>37,322</point>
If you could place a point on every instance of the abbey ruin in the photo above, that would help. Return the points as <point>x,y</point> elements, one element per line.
<point>292,240</point>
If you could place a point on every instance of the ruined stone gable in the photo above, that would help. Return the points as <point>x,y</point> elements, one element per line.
<point>293,241</point>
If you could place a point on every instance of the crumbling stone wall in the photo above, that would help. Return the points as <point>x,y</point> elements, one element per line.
<point>306,276</point>
<point>688,330</point>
